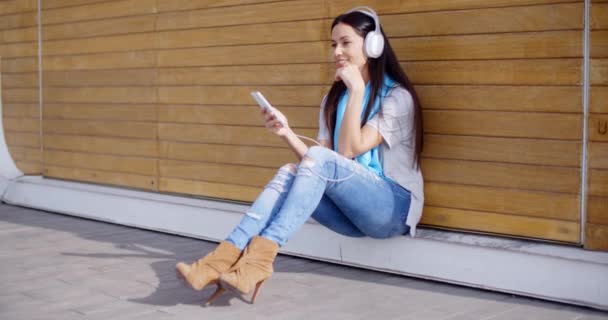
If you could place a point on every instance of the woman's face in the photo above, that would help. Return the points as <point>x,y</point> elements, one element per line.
<point>348,47</point>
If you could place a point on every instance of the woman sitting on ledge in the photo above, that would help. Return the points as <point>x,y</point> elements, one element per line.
<point>365,180</point>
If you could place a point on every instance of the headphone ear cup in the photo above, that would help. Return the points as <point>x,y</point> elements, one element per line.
<point>374,44</point>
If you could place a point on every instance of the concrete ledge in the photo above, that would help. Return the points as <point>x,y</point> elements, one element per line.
<point>547,271</point>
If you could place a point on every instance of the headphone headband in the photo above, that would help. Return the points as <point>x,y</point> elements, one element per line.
<point>368,12</point>
<point>374,41</point>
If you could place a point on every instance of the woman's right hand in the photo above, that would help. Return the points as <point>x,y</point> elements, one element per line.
<point>273,122</point>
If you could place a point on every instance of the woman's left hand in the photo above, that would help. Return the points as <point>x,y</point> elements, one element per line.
<point>351,76</point>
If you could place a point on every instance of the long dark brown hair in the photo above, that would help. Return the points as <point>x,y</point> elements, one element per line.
<point>386,63</point>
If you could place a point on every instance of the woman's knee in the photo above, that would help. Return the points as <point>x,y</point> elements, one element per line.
<point>284,177</point>
<point>316,155</point>
<point>289,168</point>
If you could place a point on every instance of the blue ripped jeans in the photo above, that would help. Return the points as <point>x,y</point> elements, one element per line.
<point>362,205</point>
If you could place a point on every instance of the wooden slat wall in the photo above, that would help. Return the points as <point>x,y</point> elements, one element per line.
<point>596,228</point>
<point>20,92</point>
<point>154,94</point>
<point>100,95</point>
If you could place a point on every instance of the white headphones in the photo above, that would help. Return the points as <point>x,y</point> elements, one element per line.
<point>374,42</point>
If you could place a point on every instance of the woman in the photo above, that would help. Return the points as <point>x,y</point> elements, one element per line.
<point>364,179</point>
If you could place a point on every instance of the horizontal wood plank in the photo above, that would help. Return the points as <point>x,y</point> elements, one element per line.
<point>119,60</point>
<point>119,112</point>
<point>25,154</point>
<point>506,150</point>
<point>598,155</point>
<point>20,95</point>
<point>116,164</point>
<point>284,74</point>
<point>29,168</point>
<point>499,200</point>
<point>16,6</point>
<point>596,237</point>
<point>240,95</point>
<point>298,117</point>
<point>19,35</point>
<point>101,10</point>
<point>101,95</point>
<point>597,210</point>
<point>99,145</point>
<point>50,4</point>
<point>20,65</point>
<point>506,175</point>
<point>22,139</point>
<point>597,99</point>
<point>22,110</point>
<point>337,7</point>
<point>19,20</point>
<point>558,230</point>
<point>100,78</point>
<point>128,129</point>
<point>183,5</point>
<point>19,49</point>
<point>266,157</point>
<point>243,14</point>
<point>598,71</point>
<point>209,189</point>
<point>598,182</point>
<point>236,135</point>
<point>598,44</point>
<point>490,20</point>
<point>276,53</point>
<point>218,173</point>
<point>103,27</point>
<point>496,72</point>
<point>114,43</point>
<point>102,177</point>
<point>501,98</point>
<point>291,31</point>
<point>20,80</point>
<point>550,44</point>
<point>598,127</point>
<point>21,124</point>
<point>504,124</point>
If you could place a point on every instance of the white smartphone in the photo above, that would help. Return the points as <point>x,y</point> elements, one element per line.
<point>264,104</point>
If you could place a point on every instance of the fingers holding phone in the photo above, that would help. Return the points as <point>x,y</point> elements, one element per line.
<point>275,121</point>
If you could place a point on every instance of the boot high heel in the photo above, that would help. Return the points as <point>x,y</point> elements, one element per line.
<point>253,268</point>
<point>208,269</point>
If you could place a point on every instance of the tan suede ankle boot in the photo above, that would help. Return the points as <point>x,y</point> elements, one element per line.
<point>253,268</point>
<point>208,269</point>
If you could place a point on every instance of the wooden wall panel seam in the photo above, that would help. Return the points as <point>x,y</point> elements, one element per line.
<point>512,188</point>
<point>46,7</point>
<point>138,7</point>
<point>242,46</point>
<point>97,153</point>
<point>423,156</point>
<point>338,7</point>
<point>100,170</point>
<point>116,155</point>
<point>16,14</point>
<point>510,214</point>
<point>325,39</point>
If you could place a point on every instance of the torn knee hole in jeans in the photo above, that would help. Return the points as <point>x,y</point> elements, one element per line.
<point>282,178</point>
<point>253,215</point>
<point>306,166</point>
<point>307,162</point>
<point>292,168</point>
